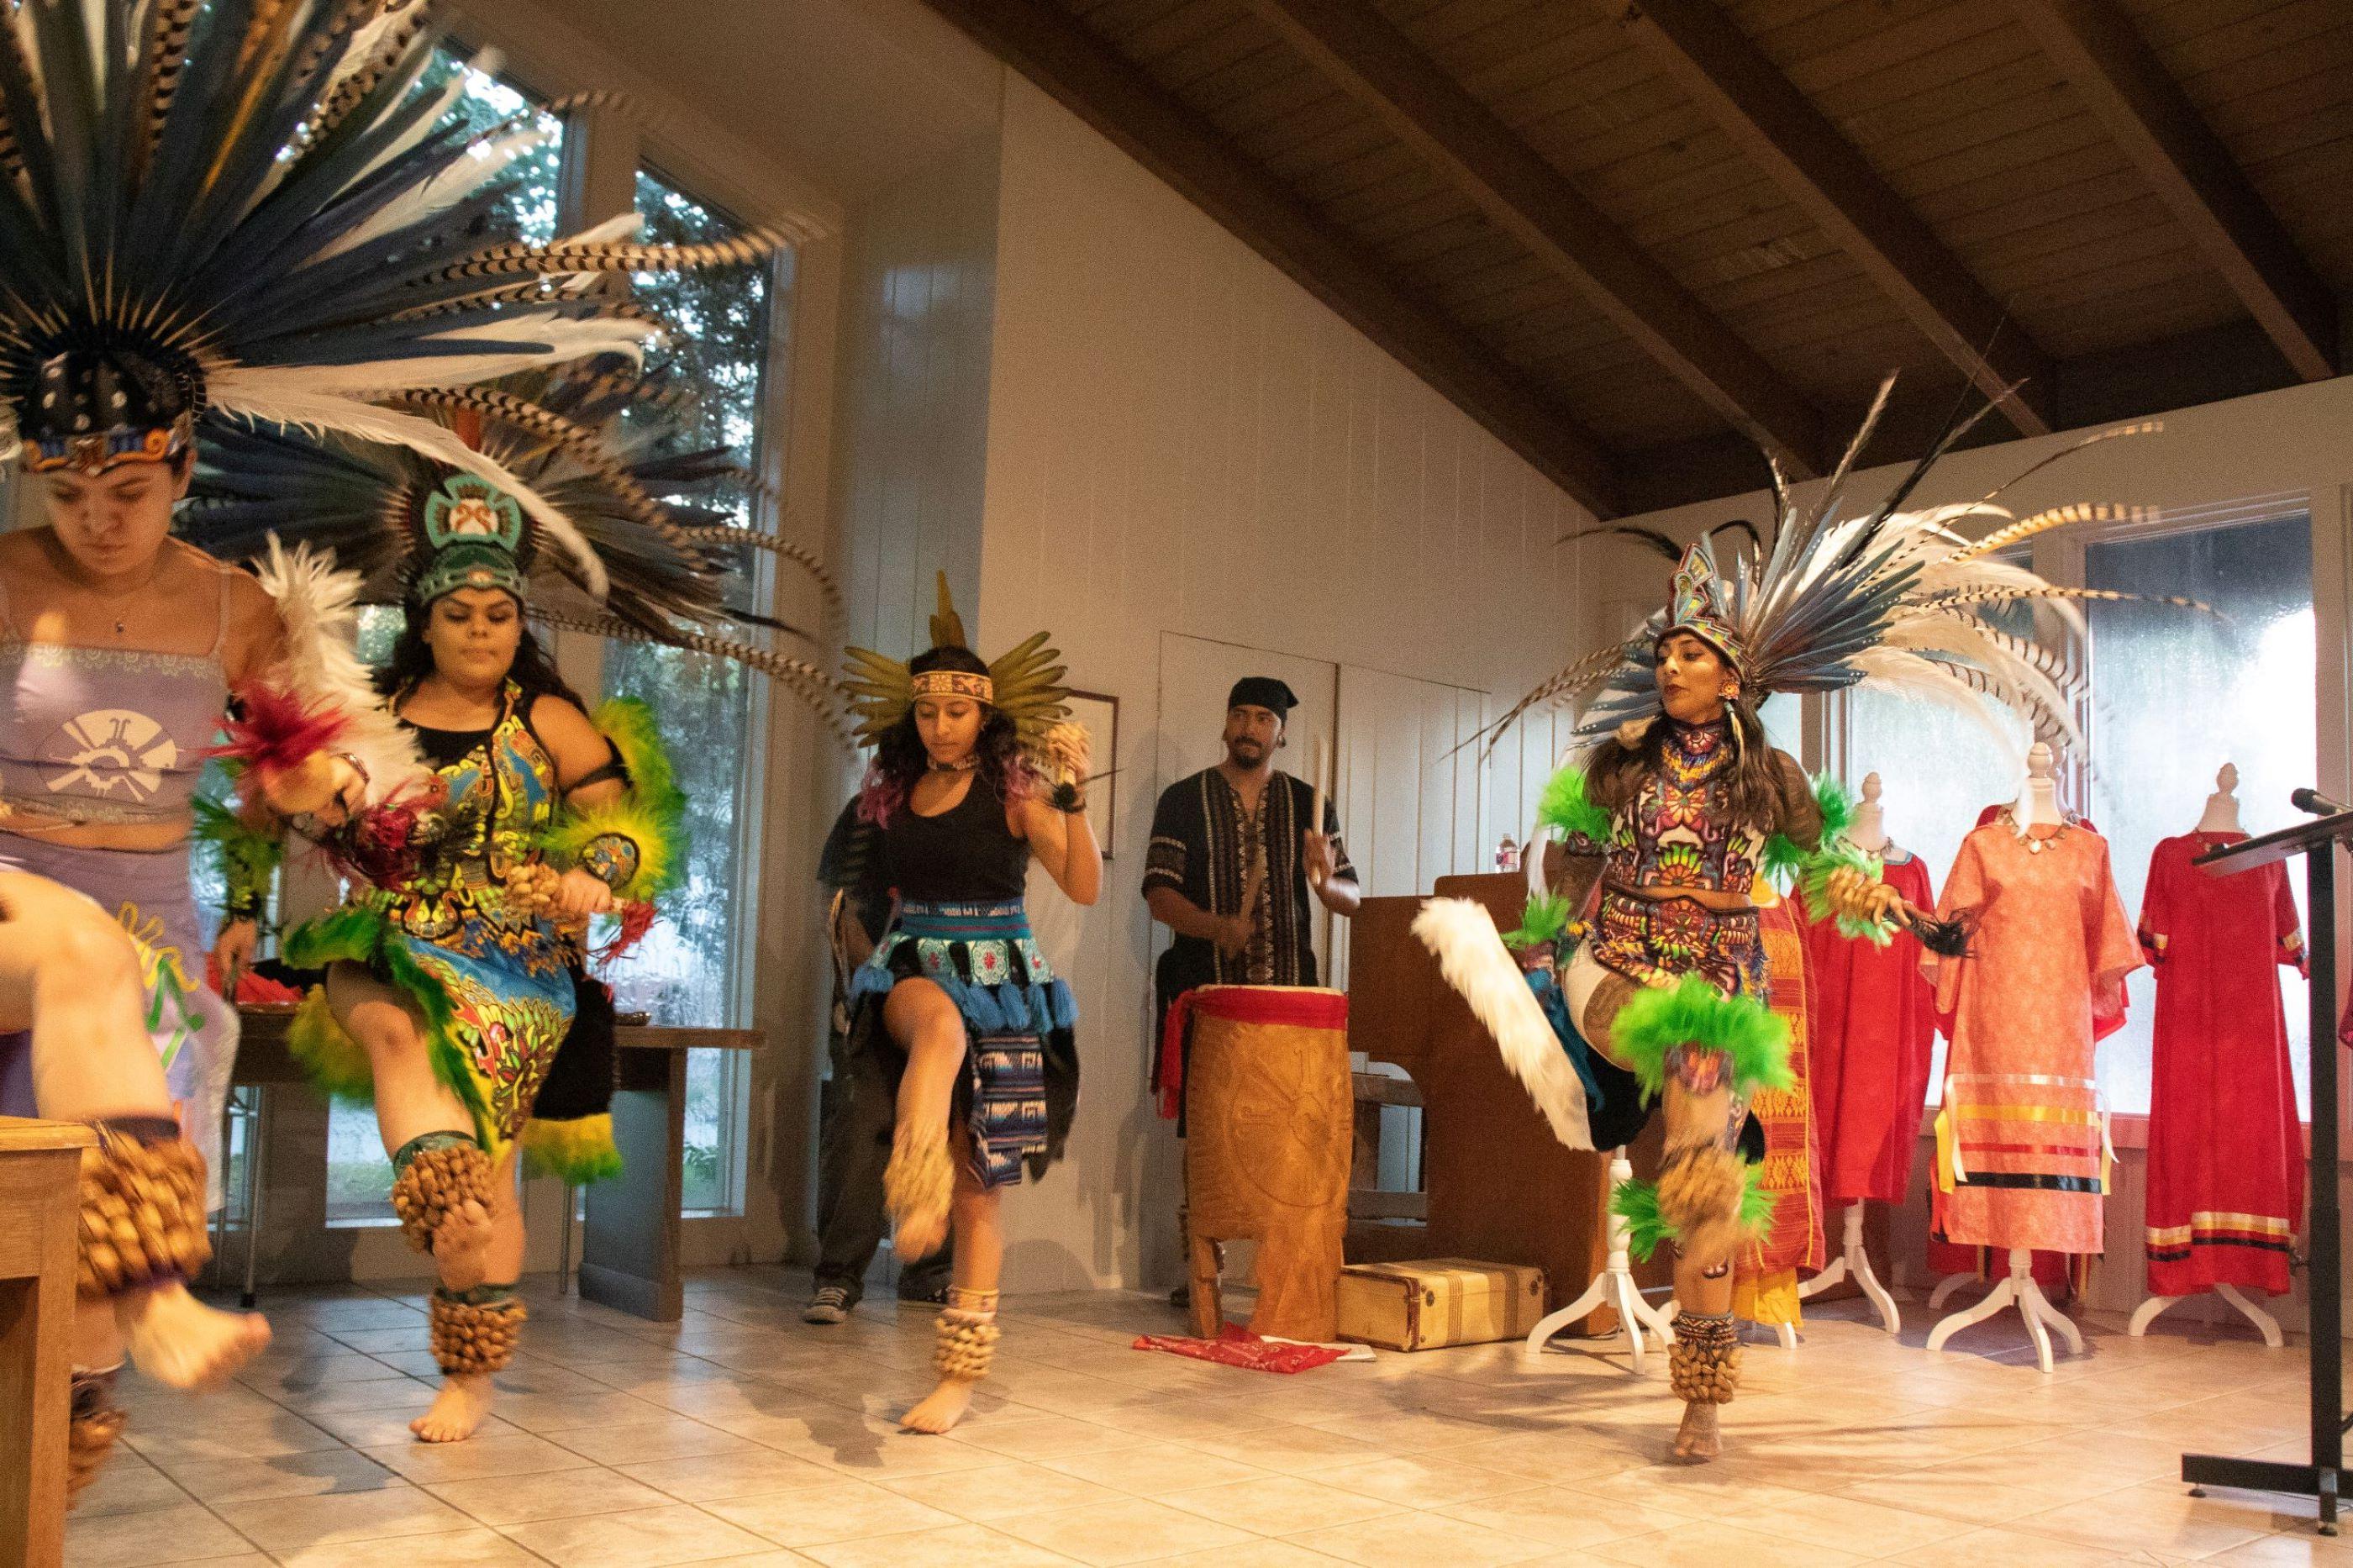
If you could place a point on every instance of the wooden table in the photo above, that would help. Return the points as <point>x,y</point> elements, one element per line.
<point>40,1176</point>
<point>631,1244</point>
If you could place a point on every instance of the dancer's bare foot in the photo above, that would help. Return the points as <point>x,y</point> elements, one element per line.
<point>182,1344</point>
<point>461,1406</point>
<point>1700,1438</point>
<point>460,1244</point>
<point>941,1409</point>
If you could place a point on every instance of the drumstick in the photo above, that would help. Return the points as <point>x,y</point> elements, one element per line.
<point>1315,804</point>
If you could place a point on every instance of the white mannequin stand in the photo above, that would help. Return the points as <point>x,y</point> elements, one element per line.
<point>2037,806</point>
<point>1948,1287</point>
<point>2021,1290</point>
<point>2265,1324</point>
<point>1613,1287</point>
<point>2221,815</point>
<point>1853,1259</point>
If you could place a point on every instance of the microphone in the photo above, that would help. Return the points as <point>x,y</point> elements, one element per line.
<point>2313,801</point>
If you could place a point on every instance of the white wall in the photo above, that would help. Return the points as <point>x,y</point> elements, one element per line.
<point>1181,439</point>
<point>912,395</point>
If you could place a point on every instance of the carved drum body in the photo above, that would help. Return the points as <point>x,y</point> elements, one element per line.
<point>1269,1132</point>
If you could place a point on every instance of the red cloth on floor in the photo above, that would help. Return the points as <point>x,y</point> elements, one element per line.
<point>1237,1346</point>
<point>2226,1163</point>
<point>1874,1023</point>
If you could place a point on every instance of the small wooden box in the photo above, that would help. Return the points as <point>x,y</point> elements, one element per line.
<point>1438,1302</point>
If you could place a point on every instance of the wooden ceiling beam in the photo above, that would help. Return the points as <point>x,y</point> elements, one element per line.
<point>2127,89</point>
<point>1776,129</point>
<point>1120,101</point>
<point>1531,200</point>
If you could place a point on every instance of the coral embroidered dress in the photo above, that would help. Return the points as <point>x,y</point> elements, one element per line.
<point>2021,1139</point>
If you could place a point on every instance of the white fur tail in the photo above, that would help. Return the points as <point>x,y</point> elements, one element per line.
<point>1472,956</point>
<point>319,604</point>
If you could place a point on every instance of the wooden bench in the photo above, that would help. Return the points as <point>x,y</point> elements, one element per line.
<point>40,1176</point>
<point>629,1246</point>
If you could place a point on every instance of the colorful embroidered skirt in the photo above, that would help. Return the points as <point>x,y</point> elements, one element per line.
<point>495,1003</point>
<point>1020,1085</point>
<point>193,1030</point>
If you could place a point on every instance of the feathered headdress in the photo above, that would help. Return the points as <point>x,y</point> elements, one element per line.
<point>1025,685</point>
<point>1879,597</point>
<point>242,210</point>
<point>599,440</point>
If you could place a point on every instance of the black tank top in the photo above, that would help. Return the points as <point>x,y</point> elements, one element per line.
<point>964,856</point>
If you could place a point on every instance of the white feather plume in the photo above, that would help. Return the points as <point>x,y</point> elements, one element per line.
<point>1462,936</point>
<point>556,339</point>
<point>1909,675</point>
<point>447,189</point>
<point>318,603</point>
<point>303,409</point>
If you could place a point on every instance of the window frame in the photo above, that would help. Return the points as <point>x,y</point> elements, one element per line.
<point>770,425</point>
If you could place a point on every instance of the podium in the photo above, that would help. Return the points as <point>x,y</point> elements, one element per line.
<point>2323,1477</point>
<point>1501,1188</point>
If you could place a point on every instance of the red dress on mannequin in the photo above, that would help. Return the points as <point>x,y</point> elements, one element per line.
<point>2226,1163</point>
<point>1873,1021</point>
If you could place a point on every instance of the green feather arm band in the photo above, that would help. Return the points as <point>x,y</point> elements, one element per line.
<point>1565,808</point>
<point>636,842</point>
<point>249,853</point>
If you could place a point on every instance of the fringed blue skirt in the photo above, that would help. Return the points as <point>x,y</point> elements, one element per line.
<point>1020,1084</point>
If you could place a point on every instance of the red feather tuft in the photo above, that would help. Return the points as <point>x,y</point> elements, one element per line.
<point>275,734</point>
<point>637,919</point>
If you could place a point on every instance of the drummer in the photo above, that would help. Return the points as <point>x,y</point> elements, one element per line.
<point>1235,858</point>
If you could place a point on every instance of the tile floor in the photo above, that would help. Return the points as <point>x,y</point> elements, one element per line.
<point>741,1437</point>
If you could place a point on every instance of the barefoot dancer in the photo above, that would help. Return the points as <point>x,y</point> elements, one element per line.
<point>449,971</point>
<point>957,996</point>
<point>1669,820</point>
<point>75,979</point>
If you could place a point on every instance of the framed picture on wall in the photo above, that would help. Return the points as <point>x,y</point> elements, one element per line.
<point>1098,715</point>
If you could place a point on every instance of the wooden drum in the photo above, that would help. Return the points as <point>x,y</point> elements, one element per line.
<point>1268,1129</point>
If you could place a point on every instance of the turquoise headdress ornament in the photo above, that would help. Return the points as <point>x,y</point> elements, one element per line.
<point>475,532</point>
<point>1702,604</point>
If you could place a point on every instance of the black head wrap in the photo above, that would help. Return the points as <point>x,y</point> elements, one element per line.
<point>1262,691</point>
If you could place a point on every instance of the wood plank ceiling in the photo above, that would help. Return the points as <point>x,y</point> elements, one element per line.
<point>1639,242</point>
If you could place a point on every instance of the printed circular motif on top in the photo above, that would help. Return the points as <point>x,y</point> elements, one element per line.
<point>108,753</point>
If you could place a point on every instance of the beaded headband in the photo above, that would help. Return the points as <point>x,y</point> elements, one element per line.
<point>955,683</point>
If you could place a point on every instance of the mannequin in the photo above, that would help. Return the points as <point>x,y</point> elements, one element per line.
<point>2037,806</point>
<point>2042,826</point>
<point>2220,816</point>
<point>1869,830</point>
<point>2222,806</point>
<point>2038,802</point>
<point>1869,833</point>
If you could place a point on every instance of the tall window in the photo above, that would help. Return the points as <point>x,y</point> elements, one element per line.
<point>689,968</point>
<point>358,1178</point>
<point>2176,694</point>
